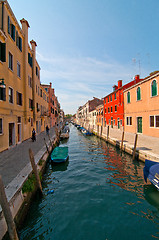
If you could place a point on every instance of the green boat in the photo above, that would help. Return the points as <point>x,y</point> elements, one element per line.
<point>59,155</point>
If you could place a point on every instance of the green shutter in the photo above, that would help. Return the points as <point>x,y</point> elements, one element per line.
<point>13,32</point>
<point>154,88</point>
<point>128,97</point>
<point>138,93</point>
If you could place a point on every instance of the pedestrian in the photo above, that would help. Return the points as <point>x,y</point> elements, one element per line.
<point>47,130</point>
<point>33,135</point>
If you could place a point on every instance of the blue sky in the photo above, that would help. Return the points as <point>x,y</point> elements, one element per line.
<point>85,46</point>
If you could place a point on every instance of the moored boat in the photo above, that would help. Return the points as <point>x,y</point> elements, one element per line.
<point>151,171</point>
<point>59,155</point>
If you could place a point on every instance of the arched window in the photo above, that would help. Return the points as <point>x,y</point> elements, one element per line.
<point>138,94</point>
<point>128,97</point>
<point>154,88</point>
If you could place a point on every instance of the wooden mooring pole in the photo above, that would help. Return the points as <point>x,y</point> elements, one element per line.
<point>107,133</point>
<point>31,155</point>
<point>46,145</point>
<point>135,144</point>
<point>50,141</point>
<point>122,141</point>
<point>7,213</point>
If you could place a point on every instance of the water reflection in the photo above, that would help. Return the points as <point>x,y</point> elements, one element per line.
<point>125,173</point>
<point>151,195</point>
<point>60,167</point>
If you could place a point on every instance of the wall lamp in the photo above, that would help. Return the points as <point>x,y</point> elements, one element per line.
<point>2,84</point>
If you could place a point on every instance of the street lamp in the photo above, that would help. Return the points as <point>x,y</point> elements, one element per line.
<point>2,84</point>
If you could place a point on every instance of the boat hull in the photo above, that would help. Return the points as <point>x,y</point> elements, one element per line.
<point>59,155</point>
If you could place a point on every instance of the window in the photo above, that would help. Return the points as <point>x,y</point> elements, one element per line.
<point>13,32</point>
<point>111,98</point>
<point>154,121</point>
<point>108,99</point>
<point>151,121</point>
<point>8,24</point>
<point>128,97</point>
<point>121,122</point>
<point>38,107</point>
<point>111,109</point>
<point>19,99</point>
<point>2,94</point>
<point>105,110</point>
<point>1,126</point>
<point>41,93</point>
<point>108,109</point>
<point>30,59</point>
<point>18,69</point>
<point>37,72</point>
<point>10,61</point>
<point>114,121</point>
<point>115,108</point>
<point>115,96</point>
<point>154,88</point>
<point>129,121</point>
<point>105,100</point>
<point>30,82</point>
<point>10,95</point>
<point>18,41</point>
<point>30,103</point>
<point>2,52</point>
<point>138,94</point>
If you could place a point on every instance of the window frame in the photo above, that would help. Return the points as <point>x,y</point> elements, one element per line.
<point>128,97</point>
<point>10,61</point>
<point>1,126</point>
<point>156,89</point>
<point>18,69</point>
<point>11,99</point>
<point>138,94</point>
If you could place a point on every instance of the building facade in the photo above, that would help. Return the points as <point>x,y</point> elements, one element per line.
<point>23,101</point>
<point>141,107</point>
<point>114,104</point>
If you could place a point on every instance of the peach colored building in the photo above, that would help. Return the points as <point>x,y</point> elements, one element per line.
<point>141,106</point>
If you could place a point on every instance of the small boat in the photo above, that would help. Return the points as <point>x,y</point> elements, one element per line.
<point>65,133</point>
<point>151,171</point>
<point>86,132</point>
<point>59,155</point>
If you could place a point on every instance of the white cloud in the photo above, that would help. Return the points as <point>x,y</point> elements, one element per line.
<point>76,80</point>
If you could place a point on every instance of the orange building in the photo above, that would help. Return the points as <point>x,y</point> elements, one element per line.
<point>141,106</point>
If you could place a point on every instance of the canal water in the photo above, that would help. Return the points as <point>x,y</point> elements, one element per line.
<point>98,194</point>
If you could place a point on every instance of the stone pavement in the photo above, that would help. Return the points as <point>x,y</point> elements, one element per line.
<point>13,160</point>
<point>148,147</point>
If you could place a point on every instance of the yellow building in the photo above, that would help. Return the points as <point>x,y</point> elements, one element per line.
<point>20,75</point>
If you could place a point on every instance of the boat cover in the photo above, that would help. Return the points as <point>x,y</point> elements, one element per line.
<point>59,154</point>
<point>151,171</point>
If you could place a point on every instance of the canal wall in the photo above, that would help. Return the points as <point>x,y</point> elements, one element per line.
<point>147,147</point>
<point>19,202</point>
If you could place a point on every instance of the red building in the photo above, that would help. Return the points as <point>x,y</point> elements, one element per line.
<point>114,104</point>
<point>52,101</point>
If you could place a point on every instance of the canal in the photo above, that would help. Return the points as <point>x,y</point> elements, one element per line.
<point>99,194</point>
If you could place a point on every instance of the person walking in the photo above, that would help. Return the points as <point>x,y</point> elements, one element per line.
<point>47,130</point>
<point>33,135</point>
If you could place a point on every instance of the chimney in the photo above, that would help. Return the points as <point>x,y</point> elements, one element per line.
<point>119,84</point>
<point>137,77</point>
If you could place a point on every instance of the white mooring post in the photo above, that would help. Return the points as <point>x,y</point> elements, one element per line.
<point>7,213</point>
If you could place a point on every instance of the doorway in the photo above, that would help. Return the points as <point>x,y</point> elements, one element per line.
<point>11,134</point>
<point>139,124</point>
